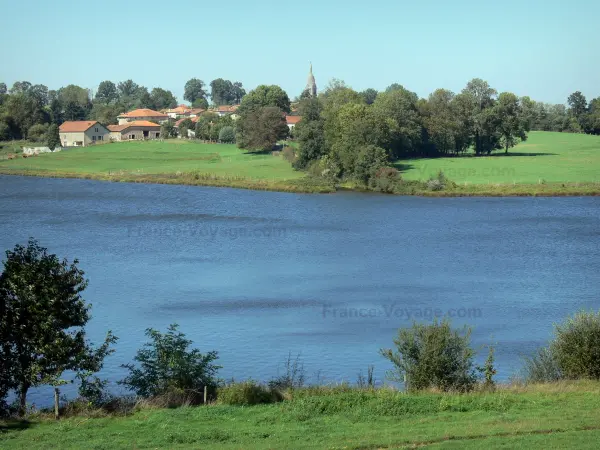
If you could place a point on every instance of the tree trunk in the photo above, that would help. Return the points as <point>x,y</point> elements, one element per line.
<point>23,399</point>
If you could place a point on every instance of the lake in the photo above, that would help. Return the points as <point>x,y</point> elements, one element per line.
<point>257,275</point>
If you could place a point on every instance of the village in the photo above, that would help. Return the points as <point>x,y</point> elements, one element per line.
<point>144,123</point>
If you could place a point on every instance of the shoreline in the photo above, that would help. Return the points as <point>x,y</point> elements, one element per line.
<point>308,185</point>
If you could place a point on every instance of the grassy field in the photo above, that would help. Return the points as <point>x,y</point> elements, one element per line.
<point>545,156</point>
<point>547,164</point>
<point>160,157</point>
<point>561,415</point>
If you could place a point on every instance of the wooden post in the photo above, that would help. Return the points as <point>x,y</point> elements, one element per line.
<point>205,394</point>
<point>56,394</point>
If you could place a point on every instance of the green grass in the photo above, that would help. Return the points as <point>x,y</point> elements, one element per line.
<point>550,157</point>
<point>562,415</point>
<point>159,157</point>
<point>547,164</point>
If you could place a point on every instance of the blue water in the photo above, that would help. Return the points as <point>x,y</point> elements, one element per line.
<point>256,275</point>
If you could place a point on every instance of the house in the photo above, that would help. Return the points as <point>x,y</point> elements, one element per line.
<point>80,133</point>
<point>227,110</point>
<point>194,112</point>
<point>142,114</point>
<point>178,112</point>
<point>138,129</point>
<point>292,121</point>
<point>193,119</point>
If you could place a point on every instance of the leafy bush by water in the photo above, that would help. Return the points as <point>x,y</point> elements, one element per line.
<point>246,393</point>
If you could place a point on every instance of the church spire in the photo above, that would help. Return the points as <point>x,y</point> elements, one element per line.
<point>311,84</point>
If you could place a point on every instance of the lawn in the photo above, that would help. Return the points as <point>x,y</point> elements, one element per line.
<point>158,157</point>
<point>544,157</point>
<point>558,415</point>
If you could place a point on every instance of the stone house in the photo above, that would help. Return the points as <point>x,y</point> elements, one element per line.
<point>80,133</point>
<point>136,130</point>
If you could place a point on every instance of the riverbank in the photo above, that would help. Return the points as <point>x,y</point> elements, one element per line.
<point>557,415</point>
<point>548,164</point>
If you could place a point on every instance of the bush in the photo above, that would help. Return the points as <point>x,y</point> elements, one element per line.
<point>386,179</point>
<point>433,356</point>
<point>167,365</point>
<point>37,133</point>
<point>574,353</point>
<point>576,346</point>
<point>227,135</point>
<point>246,393</point>
<point>541,367</point>
<point>368,161</point>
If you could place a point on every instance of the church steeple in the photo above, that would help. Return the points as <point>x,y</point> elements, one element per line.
<point>311,84</point>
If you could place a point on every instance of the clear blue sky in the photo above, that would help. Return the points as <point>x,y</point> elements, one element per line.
<point>542,48</point>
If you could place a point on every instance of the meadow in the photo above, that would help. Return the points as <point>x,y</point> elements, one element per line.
<point>546,164</point>
<point>555,415</point>
<point>545,157</point>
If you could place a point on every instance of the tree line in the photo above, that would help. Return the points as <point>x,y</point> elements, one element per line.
<point>28,110</point>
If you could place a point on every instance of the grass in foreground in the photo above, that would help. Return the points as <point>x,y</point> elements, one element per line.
<point>544,416</point>
<point>546,156</point>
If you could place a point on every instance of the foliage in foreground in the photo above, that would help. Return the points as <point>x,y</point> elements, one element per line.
<point>167,364</point>
<point>42,320</point>
<point>574,352</point>
<point>433,356</point>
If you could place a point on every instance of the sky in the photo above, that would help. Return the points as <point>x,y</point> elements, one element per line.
<point>546,49</point>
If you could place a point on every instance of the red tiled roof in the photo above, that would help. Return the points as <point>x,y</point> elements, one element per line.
<point>193,119</point>
<point>228,108</point>
<point>293,120</point>
<point>181,109</point>
<point>135,123</point>
<point>143,112</point>
<point>77,126</point>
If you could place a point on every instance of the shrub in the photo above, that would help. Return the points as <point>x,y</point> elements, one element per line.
<point>293,377</point>
<point>386,179</point>
<point>227,135</point>
<point>576,346</point>
<point>440,182</point>
<point>246,393</point>
<point>541,367</point>
<point>167,364</point>
<point>37,132</point>
<point>368,161</point>
<point>433,356</point>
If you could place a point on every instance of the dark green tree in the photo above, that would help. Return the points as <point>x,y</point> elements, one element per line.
<point>107,93</point>
<point>162,99</point>
<point>168,364</point>
<point>53,137</point>
<point>265,96</point>
<point>42,320</point>
<point>261,128</point>
<point>194,90</point>
<point>369,95</point>
<point>512,126</point>
<point>168,130</point>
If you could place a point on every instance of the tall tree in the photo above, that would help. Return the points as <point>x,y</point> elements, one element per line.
<point>221,91</point>
<point>265,96</point>
<point>206,126</point>
<point>482,98</point>
<point>310,132</point>
<point>578,108</point>
<point>261,128</point>
<point>42,320</point>
<point>194,90</point>
<point>107,92</point>
<point>53,137</point>
<point>127,88</point>
<point>75,102</point>
<point>512,125</point>
<point>3,89</point>
<point>369,95</point>
<point>398,107</point>
<point>162,98</point>
<point>20,87</point>
<point>238,93</point>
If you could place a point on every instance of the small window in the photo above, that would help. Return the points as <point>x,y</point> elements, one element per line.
<point>93,138</point>
<point>96,130</point>
<point>157,134</point>
<point>132,136</point>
